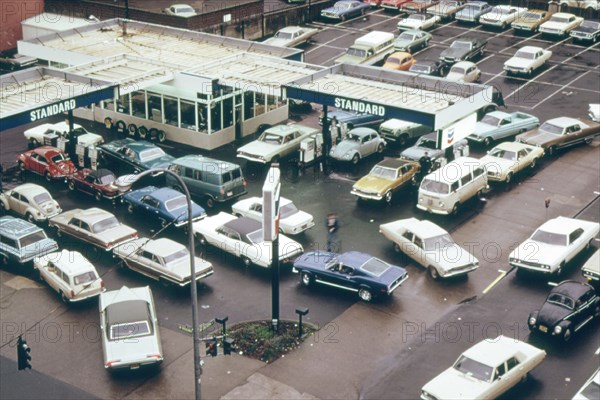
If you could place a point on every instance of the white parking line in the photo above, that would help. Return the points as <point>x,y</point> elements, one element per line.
<point>519,42</point>
<point>559,89</point>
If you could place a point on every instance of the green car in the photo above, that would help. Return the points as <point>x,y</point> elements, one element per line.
<point>412,40</point>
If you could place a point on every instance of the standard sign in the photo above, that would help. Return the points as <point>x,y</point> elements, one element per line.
<point>359,106</point>
<point>52,109</point>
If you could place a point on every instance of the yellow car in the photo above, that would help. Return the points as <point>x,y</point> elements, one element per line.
<point>385,178</point>
<point>400,61</point>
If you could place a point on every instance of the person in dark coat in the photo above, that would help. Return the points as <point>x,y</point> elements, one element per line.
<point>333,227</point>
<point>425,162</point>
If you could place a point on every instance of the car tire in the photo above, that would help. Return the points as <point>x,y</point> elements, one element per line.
<point>246,261</point>
<point>64,298</point>
<point>397,248</point>
<point>455,209</point>
<point>567,335</point>
<point>29,217</point>
<point>3,208</point>
<point>552,151</point>
<point>34,143</point>
<point>559,271</point>
<point>503,27</point>
<point>48,176</point>
<point>121,127</point>
<point>388,197</point>
<point>209,202</point>
<point>533,163</point>
<point>355,159</point>
<point>365,295</point>
<point>201,239</point>
<point>588,140</point>
<point>130,208</point>
<point>22,166</point>
<point>132,130</point>
<point>71,185</point>
<point>143,132</point>
<point>509,178</point>
<point>487,142</point>
<point>433,273</point>
<point>57,232</point>
<point>162,136</point>
<point>380,148</point>
<point>4,260</point>
<point>98,196</point>
<point>38,275</point>
<point>306,279</point>
<point>402,140</point>
<point>237,215</point>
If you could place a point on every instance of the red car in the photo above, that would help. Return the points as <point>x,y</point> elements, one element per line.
<point>47,161</point>
<point>417,6</point>
<point>373,3</point>
<point>99,183</point>
<point>393,4</point>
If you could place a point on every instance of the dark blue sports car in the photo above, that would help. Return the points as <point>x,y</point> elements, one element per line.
<point>168,205</point>
<point>345,9</point>
<point>139,154</point>
<point>358,272</point>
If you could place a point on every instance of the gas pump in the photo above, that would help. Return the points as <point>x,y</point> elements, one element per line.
<point>93,155</point>
<point>80,151</point>
<point>310,149</point>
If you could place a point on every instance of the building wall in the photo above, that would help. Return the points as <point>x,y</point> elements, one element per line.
<point>12,12</point>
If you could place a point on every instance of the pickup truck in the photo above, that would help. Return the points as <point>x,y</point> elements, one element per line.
<point>526,60</point>
<point>561,132</point>
<point>499,125</point>
<point>399,131</point>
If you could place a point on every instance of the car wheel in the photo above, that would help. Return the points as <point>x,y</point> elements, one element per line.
<point>567,335</point>
<point>48,176</point>
<point>509,177</point>
<point>210,202</point>
<point>4,260</point>
<point>503,27</point>
<point>64,298</point>
<point>403,139</point>
<point>38,275</point>
<point>588,245</point>
<point>397,248</point>
<point>306,279</point>
<point>380,148</point>
<point>21,166</point>
<point>163,223</point>
<point>530,72</point>
<point>597,311</point>
<point>365,295</point>
<point>29,217</point>
<point>551,150</point>
<point>455,209</point>
<point>246,261</point>
<point>355,159</point>
<point>388,197</point>
<point>433,273</point>
<point>488,141</point>
<point>3,208</point>
<point>130,208</point>
<point>57,232</point>
<point>201,239</point>
<point>71,185</point>
<point>560,269</point>
<point>588,140</point>
<point>98,196</point>
<point>533,163</point>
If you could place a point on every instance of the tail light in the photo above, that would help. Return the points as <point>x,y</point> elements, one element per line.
<point>157,356</point>
<point>72,293</point>
<point>110,363</point>
<point>222,191</point>
<point>244,183</point>
<point>101,284</point>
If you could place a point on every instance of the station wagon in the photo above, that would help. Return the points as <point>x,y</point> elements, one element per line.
<point>22,241</point>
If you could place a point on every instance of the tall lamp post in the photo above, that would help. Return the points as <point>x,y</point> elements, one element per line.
<point>130,180</point>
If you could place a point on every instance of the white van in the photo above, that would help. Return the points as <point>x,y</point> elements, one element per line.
<point>369,49</point>
<point>444,190</point>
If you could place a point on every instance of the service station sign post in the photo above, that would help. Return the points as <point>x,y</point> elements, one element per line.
<point>270,191</point>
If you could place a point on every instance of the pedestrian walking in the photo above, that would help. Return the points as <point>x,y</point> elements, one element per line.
<point>425,162</point>
<point>333,226</point>
<point>334,130</point>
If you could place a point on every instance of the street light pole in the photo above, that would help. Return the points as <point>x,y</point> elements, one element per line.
<point>191,248</point>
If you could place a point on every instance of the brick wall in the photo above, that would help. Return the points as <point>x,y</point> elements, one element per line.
<point>12,13</point>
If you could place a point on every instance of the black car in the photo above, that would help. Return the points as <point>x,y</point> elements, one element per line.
<point>137,154</point>
<point>588,30</point>
<point>358,272</point>
<point>463,49</point>
<point>430,67</point>
<point>569,306</point>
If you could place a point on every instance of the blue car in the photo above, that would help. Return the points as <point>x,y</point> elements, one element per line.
<point>139,154</point>
<point>352,119</point>
<point>166,204</point>
<point>358,272</point>
<point>345,9</point>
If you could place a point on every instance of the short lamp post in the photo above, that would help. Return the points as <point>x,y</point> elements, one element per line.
<point>301,313</point>
<point>128,181</point>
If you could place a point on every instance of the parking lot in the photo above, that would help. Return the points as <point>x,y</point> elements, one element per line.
<point>371,333</point>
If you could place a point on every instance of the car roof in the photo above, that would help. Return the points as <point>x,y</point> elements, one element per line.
<point>16,228</point>
<point>199,161</point>
<point>400,54</point>
<point>513,146</point>
<point>100,172</point>
<point>30,188</point>
<point>43,150</point>
<point>572,289</point>
<point>425,228</point>
<point>394,163</point>
<point>532,49</point>
<point>281,130</point>
<point>354,258</point>
<point>92,215</point>
<point>463,64</point>
<point>163,246</point>
<point>448,172</point>
<point>362,131</point>
<point>290,29</point>
<point>244,225</point>
<point>125,294</point>
<point>492,352</point>
<point>561,225</point>
<point>165,193</point>
<point>71,262</point>
<point>562,14</point>
<point>141,145</point>
<point>563,121</point>
<point>412,31</point>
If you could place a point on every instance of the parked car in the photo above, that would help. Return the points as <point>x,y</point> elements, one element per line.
<point>428,144</point>
<point>291,220</point>
<point>22,241</point>
<point>558,133</point>
<point>373,3</point>
<point>47,161</point>
<point>526,60</point>
<point>16,62</point>
<point>429,67</point>
<point>162,259</point>
<point>70,274</point>
<point>46,133</point>
<point>531,20</point>
<point>400,132</point>
<point>569,307</point>
<point>502,16</point>
<point>552,245</point>
<point>590,389</point>
<point>418,21</point>
<point>447,9</point>
<point>463,49</point>
<point>485,371</point>
<point>417,6</point>
<point>560,24</point>
<point>393,5</point>
<point>368,49</point>
<point>591,268</point>
<point>587,31</point>
<point>464,71</point>
<point>358,144</point>
<point>345,9</point>
<point>180,10</point>
<point>352,119</point>
<point>243,237</point>
<point>411,40</point>
<point>100,183</point>
<point>275,143</point>
<point>165,204</point>
<point>500,125</point>
<point>399,61</point>
<point>130,332</point>
<point>385,179</point>
<point>358,272</point>
<point>93,226</point>
<point>472,11</point>
<point>291,36</point>
<point>138,154</point>
<point>505,160</point>
<point>31,201</point>
<point>587,5</point>
<point>594,112</point>
<point>430,246</point>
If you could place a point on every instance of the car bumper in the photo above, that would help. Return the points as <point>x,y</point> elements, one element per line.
<point>476,138</point>
<point>397,284</point>
<point>460,271</point>
<point>553,33</point>
<point>199,275</point>
<point>184,222</point>
<point>531,267</point>
<point>87,296</point>
<point>134,364</point>
<point>515,70</point>
<point>369,196</point>
<point>299,229</point>
<point>433,210</point>
<point>252,158</point>
<point>467,19</point>
<point>523,28</point>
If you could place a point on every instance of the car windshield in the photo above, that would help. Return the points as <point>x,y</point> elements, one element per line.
<point>561,300</point>
<point>283,35</point>
<point>129,330</point>
<point>32,238</point>
<point>418,17</point>
<point>420,68</point>
<point>505,154</point>
<point>591,391</point>
<point>341,5</point>
<point>525,54</point>
<point>255,237</point>
<point>471,8</point>
<point>437,243</point>
<point>491,120</point>
<point>356,52</point>
<point>533,16</point>
<point>185,9</point>
<point>84,278</point>
<point>474,369</point>
<point>288,210</point>
<point>270,138</point>
<point>407,36</point>
<point>434,186</point>
<point>385,173</point>
<point>58,158</point>
<point>353,138</point>
<point>176,203</point>
<point>555,239</point>
<point>427,143</point>
<point>42,198</point>
<point>105,224</point>
<point>549,128</point>
<point>151,154</point>
<point>461,45</point>
<point>498,11</point>
<point>457,70</point>
<point>181,253</point>
<point>393,60</point>
<point>590,24</point>
<point>560,20</point>
<point>107,179</point>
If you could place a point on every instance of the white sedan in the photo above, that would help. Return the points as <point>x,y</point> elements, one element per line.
<point>485,371</point>
<point>243,237</point>
<point>502,16</point>
<point>418,21</point>
<point>180,10</point>
<point>464,71</point>
<point>526,60</point>
<point>560,24</point>
<point>291,36</point>
<point>554,244</point>
<point>508,158</point>
<point>430,246</point>
<point>37,135</point>
<point>291,220</point>
<point>31,201</point>
<point>591,389</point>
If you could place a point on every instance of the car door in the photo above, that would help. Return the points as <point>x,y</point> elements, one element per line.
<point>149,205</point>
<point>408,247</point>
<point>576,243</point>
<point>255,211</point>
<point>523,159</point>
<point>41,165</point>
<point>498,384</point>
<point>72,227</point>
<point>512,375</point>
<point>55,279</point>
<point>85,233</point>
<point>87,184</point>
<point>15,203</point>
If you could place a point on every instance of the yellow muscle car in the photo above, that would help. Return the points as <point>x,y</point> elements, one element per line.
<point>385,178</point>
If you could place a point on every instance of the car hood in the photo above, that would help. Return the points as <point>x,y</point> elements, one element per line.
<point>546,254</point>
<point>410,23</point>
<point>347,58</point>
<point>402,43</point>
<point>584,29</point>
<point>89,139</point>
<point>492,163</point>
<point>259,148</point>
<point>333,10</point>
<point>452,256</point>
<point>481,127</point>
<point>116,234</point>
<point>526,21</point>
<point>453,52</point>
<point>277,42</point>
<point>416,152</point>
<point>518,62</point>
<point>553,25</point>
<point>452,384</point>
<point>338,151</point>
<point>372,183</point>
<point>551,314</point>
<point>536,137</point>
